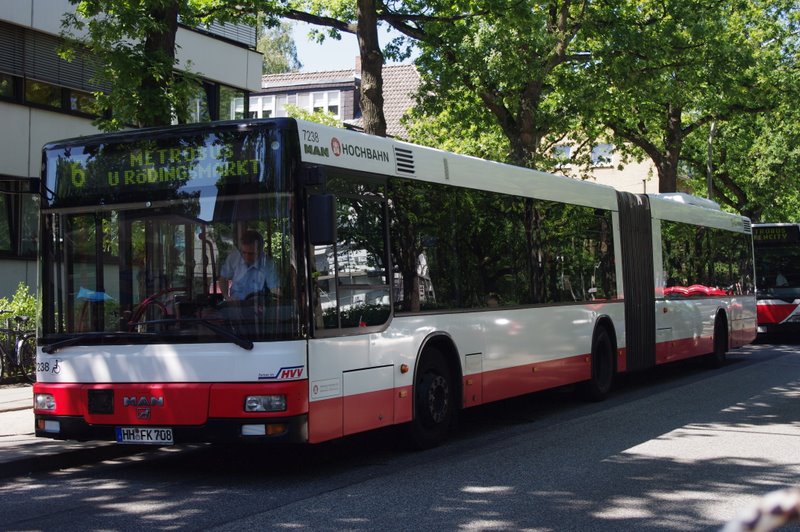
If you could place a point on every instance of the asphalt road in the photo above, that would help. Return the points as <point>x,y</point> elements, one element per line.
<point>680,448</point>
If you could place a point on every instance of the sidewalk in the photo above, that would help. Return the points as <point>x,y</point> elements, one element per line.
<point>21,452</point>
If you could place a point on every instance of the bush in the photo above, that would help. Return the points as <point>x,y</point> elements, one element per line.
<point>23,303</point>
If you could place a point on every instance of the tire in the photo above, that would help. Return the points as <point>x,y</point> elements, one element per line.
<point>603,368</point>
<point>434,402</point>
<point>717,357</point>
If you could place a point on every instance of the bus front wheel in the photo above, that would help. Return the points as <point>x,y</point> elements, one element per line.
<point>434,402</point>
<point>717,358</point>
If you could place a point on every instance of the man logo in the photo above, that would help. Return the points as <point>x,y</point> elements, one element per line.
<point>142,401</point>
<point>143,413</point>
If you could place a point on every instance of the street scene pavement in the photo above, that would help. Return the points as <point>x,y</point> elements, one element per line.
<point>21,452</point>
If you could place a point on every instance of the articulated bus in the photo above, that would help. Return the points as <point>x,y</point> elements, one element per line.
<point>777,263</point>
<point>407,284</point>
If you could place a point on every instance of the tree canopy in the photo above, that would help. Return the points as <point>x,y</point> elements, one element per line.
<point>706,90</point>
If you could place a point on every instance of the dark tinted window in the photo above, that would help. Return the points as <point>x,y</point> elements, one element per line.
<point>464,249</point>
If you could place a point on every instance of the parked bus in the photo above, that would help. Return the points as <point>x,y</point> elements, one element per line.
<point>404,284</point>
<point>777,260</point>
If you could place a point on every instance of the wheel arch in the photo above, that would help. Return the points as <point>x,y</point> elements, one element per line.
<point>444,344</point>
<point>605,322</point>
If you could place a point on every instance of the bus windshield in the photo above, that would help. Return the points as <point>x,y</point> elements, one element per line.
<point>777,255</point>
<point>187,237</point>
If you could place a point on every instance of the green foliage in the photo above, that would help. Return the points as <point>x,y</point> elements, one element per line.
<point>661,71</point>
<point>133,42</point>
<point>279,49</point>
<point>22,303</point>
<point>320,117</point>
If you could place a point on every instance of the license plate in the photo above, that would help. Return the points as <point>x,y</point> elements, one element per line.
<point>145,435</point>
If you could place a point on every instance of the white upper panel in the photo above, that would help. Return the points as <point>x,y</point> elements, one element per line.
<point>698,211</point>
<point>347,149</point>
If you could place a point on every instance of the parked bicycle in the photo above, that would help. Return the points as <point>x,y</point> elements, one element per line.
<point>17,349</point>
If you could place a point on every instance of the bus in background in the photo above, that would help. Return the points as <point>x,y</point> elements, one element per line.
<point>777,256</point>
<point>382,284</point>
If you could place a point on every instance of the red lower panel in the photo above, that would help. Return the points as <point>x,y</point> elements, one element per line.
<point>473,390</point>
<point>505,383</point>
<point>684,348</point>
<point>622,359</point>
<point>171,404</point>
<point>227,400</point>
<point>774,314</point>
<point>367,411</point>
<point>325,420</point>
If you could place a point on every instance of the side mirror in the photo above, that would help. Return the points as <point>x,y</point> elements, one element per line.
<point>322,219</point>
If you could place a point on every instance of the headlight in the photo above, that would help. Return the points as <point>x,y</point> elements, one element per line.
<point>265,403</point>
<point>44,401</point>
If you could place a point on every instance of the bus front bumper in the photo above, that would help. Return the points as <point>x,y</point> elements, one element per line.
<point>290,429</point>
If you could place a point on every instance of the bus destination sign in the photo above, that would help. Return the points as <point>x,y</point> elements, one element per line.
<point>776,233</point>
<point>114,172</point>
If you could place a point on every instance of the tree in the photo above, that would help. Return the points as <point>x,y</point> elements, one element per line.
<point>362,18</point>
<point>756,161</point>
<point>514,59</point>
<point>278,48</point>
<point>133,42</point>
<point>662,71</point>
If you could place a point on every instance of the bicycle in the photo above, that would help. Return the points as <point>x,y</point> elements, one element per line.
<point>17,350</point>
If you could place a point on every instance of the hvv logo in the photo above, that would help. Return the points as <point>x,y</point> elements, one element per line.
<point>290,373</point>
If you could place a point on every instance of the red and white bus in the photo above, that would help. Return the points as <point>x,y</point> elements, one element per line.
<point>777,262</point>
<point>413,283</point>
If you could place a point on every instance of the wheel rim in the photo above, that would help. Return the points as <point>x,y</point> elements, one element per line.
<point>438,399</point>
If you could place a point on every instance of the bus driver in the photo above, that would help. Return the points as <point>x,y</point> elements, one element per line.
<point>247,270</point>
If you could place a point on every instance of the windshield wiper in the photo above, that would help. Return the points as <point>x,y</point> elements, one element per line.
<point>52,348</point>
<point>244,343</point>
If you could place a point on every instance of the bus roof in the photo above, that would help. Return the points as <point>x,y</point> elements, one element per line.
<point>341,148</point>
<point>694,210</point>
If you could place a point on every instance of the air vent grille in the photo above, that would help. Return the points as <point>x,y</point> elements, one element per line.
<point>748,226</point>
<point>404,161</point>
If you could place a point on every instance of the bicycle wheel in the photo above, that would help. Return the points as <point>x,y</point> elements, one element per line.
<point>2,366</point>
<point>26,358</point>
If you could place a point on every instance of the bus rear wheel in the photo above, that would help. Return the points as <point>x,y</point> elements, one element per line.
<point>434,402</point>
<point>598,387</point>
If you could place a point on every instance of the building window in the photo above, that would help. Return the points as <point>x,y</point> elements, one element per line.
<point>262,106</point>
<point>19,219</point>
<point>5,223</point>
<point>198,105</point>
<point>81,102</point>
<point>280,105</point>
<point>601,154</point>
<point>6,86</point>
<point>39,93</point>
<point>325,102</point>
<point>231,103</point>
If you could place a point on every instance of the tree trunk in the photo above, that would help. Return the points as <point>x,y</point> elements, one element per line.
<point>668,166</point>
<point>371,69</point>
<point>159,45</point>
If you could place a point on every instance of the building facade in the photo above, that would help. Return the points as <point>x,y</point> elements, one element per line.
<point>337,93</point>
<point>43,99</point>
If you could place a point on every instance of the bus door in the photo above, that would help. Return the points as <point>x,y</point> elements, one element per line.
<point>351,378</point>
